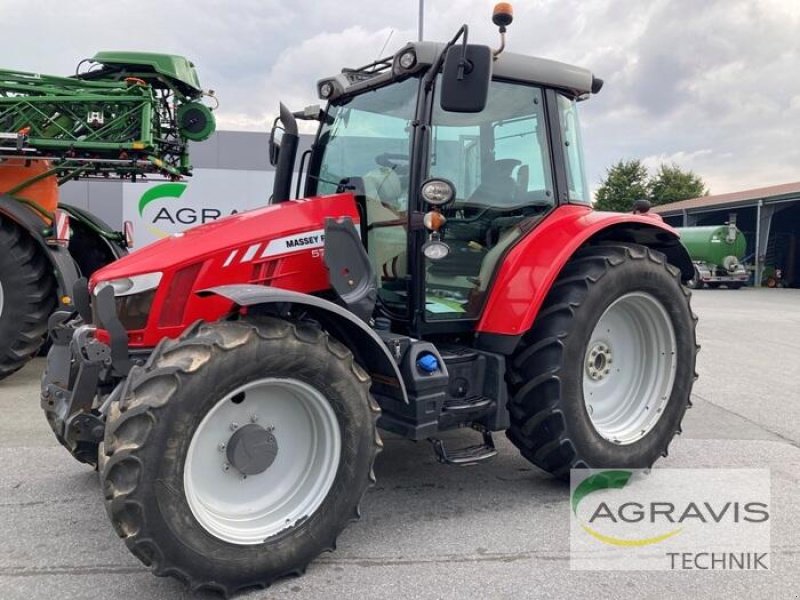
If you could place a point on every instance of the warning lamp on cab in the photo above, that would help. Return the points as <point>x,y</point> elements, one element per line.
<point>502,16</point>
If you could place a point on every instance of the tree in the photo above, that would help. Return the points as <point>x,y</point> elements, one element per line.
<point>625,182</point>
<point>628,181</point>
<point>671,184</point>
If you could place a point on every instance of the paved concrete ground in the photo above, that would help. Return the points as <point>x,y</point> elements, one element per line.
<point>498,530</point>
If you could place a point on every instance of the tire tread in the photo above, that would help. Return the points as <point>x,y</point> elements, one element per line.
<point>160,379</point>
<point>33,292</point>
<point>537,422</point>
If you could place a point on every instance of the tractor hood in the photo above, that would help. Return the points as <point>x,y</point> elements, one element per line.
<point>281,245</point>
<point>236,239</point>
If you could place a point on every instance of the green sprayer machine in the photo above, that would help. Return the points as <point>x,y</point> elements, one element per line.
<point>123,115</point>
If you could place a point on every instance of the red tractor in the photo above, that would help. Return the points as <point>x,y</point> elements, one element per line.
<point>444,269</point>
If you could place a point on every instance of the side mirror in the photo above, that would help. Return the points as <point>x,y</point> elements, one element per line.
<point>465,78</point>
<point>641,207</point>
<point>275,137</point>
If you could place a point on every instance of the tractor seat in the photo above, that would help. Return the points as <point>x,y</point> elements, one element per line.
<point>497,186</point>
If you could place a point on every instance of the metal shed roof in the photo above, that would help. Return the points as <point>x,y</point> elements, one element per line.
<point>734,199</point>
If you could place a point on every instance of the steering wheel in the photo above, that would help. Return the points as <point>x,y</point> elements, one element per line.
<point>485,225</point>
<point>478,212</point>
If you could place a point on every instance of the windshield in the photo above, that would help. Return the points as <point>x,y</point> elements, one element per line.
<point>367,136</point>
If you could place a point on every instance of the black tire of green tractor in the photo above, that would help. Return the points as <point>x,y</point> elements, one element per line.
<point>549,421</point>
<point>149,430</point>
<point>27,297</point>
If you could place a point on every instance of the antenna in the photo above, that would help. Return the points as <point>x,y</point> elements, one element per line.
<point>386,43</point>
<point>421,18</point>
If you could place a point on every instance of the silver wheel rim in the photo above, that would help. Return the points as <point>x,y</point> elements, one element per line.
<point>629,368</point>
<point>248,509</point>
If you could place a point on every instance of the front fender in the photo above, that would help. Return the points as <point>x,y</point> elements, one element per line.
<point>363,342</point>
<point>531,267</point>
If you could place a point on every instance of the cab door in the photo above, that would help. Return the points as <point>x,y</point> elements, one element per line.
<point>499,161</point>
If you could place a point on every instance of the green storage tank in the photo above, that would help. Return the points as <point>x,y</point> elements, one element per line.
<point>712,244</point>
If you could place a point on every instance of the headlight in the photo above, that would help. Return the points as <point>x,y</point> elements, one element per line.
<point>437,191</point>
<point>408,59</point>
<point>128,286</point>
<point>435,250</point>
<point>133,297</point>
<point>326,90</point>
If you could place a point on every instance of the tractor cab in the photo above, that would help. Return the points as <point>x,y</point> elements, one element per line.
<point>454,151</point>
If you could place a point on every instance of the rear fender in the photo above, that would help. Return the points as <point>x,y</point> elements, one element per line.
<point>531,267</point>
<point>64,269</point>
<point>367,347</point>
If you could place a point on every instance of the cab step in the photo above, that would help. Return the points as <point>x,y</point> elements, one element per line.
<point>465,456</point>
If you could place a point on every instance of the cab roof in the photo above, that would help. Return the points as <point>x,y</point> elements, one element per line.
<point>574,80</point>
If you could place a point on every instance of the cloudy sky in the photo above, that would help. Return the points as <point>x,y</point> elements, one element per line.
<point>713,85</point>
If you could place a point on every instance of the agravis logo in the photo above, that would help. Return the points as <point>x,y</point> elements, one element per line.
<point>163,190</point>
<point>606,480</point>
<point>670,519</point>
<point>168,218</point>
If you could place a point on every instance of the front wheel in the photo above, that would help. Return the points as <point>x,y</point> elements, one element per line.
<point>603,378</point>
<point>239,452</point>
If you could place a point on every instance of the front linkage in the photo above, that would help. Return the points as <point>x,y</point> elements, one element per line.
<point>83,371</point>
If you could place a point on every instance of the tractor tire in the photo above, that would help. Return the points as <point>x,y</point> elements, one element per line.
<point>27,297</point>
<point>604,376</point>
<point>220,512</point>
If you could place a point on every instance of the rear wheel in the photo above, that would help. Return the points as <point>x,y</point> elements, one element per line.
<point>603,378</point>
<point>27,297</point>
<point>239,452</point>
